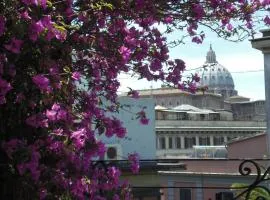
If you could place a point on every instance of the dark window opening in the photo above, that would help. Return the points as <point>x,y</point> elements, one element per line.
<point>178,143</point>
<point>189,142</point>
<point>170,143</point>
<point>218,140</point>
<point>162,144</point>
<point>204,141</point>
<point>185,194</point>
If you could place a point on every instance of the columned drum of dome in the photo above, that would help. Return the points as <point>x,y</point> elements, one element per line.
<point>216,77</point>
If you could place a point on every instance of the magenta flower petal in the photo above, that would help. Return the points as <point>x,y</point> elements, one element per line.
<point>14,46</point>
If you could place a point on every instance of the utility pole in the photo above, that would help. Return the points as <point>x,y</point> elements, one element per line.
<point>263,44</point>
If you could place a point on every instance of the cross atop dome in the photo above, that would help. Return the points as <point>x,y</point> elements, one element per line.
<point>211,56</point>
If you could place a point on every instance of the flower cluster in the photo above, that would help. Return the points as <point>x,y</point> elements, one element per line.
<point>59,70</point>
<point>143,118</point>
<point>134,161</point>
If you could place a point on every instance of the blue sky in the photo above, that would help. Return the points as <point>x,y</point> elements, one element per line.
<point>237,57</point>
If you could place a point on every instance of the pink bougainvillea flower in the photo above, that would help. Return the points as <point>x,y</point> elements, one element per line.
<point>198,11</point>
<point>30,2</point>
<point>79,137</point>
<point>267,20</point>
<point>168,20</point>
<point>265,2</point>
<point>43,3</point>
<point>77,189</point>
<point>133,93</point>
<point>229,27</point>
<point>180,64</point>
<point>25,15</point>
<point>56,113</point>
<point>121,132</point>
<point>125,53</point>
<point>61,115</point>
<point>47,21</point>
<point>76,76</point>
<point>60,35</point>
<point>192,87</point>
<point>37,120</point>
<point>197,40</point>
<point>249,25</point>
<point>144,121</point>
<point>42,82</point>
<point>134,160</point>
<point>196,77</point>
<point>5,87</point>
<point>58,132</point>
<point>101,149</point>
<point>2,25</point>
<point>32,165</point>
<point>14,46</point>
<point>35,29</point>
<point>56,107</point>
<point>51,115</point>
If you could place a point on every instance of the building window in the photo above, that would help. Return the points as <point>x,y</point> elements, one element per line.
<point>170,143</point>
<point>178,143</point>
<point>181,116</point>
<point>185,194</point>
<point>202,117</point>
<point>164,116</point>
<point>189,142</point>
<point>218,140</point>
<point>204,141</point>
<point>162,144</point>
<point>214,116</point>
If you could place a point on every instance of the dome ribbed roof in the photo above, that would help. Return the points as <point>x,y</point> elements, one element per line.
<point>215,76</point>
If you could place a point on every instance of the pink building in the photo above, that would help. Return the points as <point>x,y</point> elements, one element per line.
<point>219,174</point>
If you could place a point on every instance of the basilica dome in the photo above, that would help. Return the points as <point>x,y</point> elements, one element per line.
<point>216,77</point>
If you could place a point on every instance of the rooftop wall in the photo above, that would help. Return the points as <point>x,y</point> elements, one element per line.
<point>238,149</point>
<point>249,125</point>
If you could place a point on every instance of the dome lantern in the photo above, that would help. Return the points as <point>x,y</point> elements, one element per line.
<point>211,56</point>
